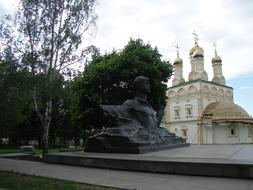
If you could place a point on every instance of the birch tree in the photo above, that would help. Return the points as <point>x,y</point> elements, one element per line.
<point>49,39</point>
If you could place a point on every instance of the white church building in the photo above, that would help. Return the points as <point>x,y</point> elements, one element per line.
<point>204,111</point>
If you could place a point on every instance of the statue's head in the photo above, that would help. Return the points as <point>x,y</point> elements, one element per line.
<point>142,84</point>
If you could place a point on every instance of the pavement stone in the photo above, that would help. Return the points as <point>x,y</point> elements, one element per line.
<point>124,179</point>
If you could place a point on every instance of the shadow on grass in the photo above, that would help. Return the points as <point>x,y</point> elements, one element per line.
<point>16,181</point>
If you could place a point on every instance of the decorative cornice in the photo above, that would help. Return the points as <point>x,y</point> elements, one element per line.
<point>199,80</point>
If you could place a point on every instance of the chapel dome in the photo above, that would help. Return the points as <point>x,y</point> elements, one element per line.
<point>216,59</point>
<point>225,110</point>
<point>178,61</point>
<point>196,50</point>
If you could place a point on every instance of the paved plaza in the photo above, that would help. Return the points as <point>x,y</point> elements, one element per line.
<point>146,181</point>
<point>203,153</point>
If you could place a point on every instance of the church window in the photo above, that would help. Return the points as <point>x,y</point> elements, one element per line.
<point>184,132</point>
<point>232,131</point>
<point>176,112</point>
<point>188,110</point>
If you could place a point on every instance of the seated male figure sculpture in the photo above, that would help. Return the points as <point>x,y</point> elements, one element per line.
<point>139,106</point>
<point>134,126</point>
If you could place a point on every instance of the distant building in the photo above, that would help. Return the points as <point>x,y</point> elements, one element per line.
<point>204,111</point>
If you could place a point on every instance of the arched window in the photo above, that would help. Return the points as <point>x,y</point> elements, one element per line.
<point>171,93</point>
<point>205,89</point>
<point>188,110</point>
<point>232,131</point>
<point>181,92</point>
<point>214,90</point>
<point>184,132</point>
<point>221,92</point>
<point>192,89</point>
<point>176,112</point>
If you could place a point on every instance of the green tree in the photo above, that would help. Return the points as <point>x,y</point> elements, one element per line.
<point>108,79</point>
<point>14,92</point>
<point>63,128</point>
<point>47,36</point>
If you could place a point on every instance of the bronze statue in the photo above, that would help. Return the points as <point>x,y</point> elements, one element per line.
<point>133,126</point>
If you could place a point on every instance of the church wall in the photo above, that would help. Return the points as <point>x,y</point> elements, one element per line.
<point>188,100</point>
<point>232,138</point>
<point>219,134</point>
<point>199,95</point>
<point>244,133</point>
<point>188,131</point>
<point>207,134</point>
<point>222,133</point>
<point>199,64</point>
<point>217,70</point>
<point>179,71</point>
<point>193,134</point>
<point>182,107</point>
<point>182,112</point>
<point>195,96</point>
<point>215,93</point>
<point>206,102</point>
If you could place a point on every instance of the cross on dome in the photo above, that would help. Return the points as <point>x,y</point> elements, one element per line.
<point>215,46</point>
<point>196,39</point>
<point>177,47</point>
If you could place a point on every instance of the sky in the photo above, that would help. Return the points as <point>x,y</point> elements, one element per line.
<point>165,23</point>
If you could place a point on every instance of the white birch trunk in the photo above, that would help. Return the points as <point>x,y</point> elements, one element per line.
<point>46,126</point>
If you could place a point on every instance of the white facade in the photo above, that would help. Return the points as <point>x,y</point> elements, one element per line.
<point>227,133</point>
<point>186,104</point>
<point>188,114</point>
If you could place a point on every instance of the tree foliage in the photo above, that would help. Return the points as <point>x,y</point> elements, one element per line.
<point>108,79</point>
<point>46,36</point>
<point>14,92</point>
<point>18,120</point>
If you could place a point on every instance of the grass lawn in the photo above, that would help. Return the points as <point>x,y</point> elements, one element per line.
<point>9,150</point>
<point>16,150</point>
<point>51,150</point>
<point>37,151</point>
<point>16,181</point>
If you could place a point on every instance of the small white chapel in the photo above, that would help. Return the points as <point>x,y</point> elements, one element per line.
<point>203,111</point>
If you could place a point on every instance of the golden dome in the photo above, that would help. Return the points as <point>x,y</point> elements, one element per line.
<point>178,61</point>
<point>216,59</point>
<point>196,48</point>
<point>192,50</point>
<point>225,110</point>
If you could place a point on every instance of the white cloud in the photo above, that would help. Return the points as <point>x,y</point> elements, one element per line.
<point>2,8</point>
<point>164,23</point>
<point>7,6</point>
